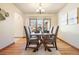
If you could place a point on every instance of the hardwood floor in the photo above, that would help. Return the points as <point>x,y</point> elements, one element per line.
<point>66,49</point>
<point>19,46</point>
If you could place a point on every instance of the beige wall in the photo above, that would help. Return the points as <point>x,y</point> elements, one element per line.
<point>8,26</point>
<point>12,26</point>
<point>54,18</point>
<point>69,33</point>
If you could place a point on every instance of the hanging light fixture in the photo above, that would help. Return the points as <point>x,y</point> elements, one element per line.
<point>40,10</point>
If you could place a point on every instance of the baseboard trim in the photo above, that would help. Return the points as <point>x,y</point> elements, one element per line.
<point>7,46</point>
<point>67,43</point>
<point>20,37</point>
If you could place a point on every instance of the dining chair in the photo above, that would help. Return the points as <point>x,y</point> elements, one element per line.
<point>52,40</point>
<point>30,40</point>
<point>30,31</point>
<point>51,30</point>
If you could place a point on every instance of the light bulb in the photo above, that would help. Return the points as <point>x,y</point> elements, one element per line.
<point>42,10</point>
<point>37,10</point>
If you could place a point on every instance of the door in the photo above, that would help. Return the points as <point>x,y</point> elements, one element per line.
<point>18,25</point>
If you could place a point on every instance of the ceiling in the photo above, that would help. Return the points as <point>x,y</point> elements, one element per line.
<point>48,7</point>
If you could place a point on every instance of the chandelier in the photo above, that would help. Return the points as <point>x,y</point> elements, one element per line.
<point>40,10</point>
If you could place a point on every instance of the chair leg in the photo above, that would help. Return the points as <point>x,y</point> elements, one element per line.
<point>56,46</point>
<point>26,47</point>
<point>37,46</point>
<point>36,49</point>
<point>45,49</point>
<point>53,44</point>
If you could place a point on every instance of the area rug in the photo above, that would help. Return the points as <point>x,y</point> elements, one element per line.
<point>41,51</point>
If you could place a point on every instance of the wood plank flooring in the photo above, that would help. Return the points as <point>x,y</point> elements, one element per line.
<point>66,49</point>
<point>18,47</point>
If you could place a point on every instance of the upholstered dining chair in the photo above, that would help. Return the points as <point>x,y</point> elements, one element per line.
<point>51,30</point>
<point>52,39</point>
<point>30,40</point>
<point>29,29</point>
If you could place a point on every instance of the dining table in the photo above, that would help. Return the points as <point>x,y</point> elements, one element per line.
<point>42,37</point>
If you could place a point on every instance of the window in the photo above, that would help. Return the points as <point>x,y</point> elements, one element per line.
<point>33,24</point>
<point>39,24</point>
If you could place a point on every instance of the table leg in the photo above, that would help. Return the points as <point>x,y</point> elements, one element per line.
<point>38,45</point>
<point>45,42</point>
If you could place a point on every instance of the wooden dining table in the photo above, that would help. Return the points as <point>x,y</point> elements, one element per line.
<point>42,37</point>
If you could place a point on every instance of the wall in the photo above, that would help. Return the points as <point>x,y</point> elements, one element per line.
<point>54,18</point>
<point>12,26</point>
<point>69,33</point>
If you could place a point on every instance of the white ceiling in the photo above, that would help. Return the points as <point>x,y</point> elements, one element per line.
<point>31,7</point>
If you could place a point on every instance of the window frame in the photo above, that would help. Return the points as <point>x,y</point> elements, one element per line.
<point>37,18</point>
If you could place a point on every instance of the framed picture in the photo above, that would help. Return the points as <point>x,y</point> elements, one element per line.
<point>72,20</point>
<point>63,20</point>
<point>72,16</point>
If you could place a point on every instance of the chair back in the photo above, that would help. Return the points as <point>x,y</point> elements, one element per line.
<point>52,29</point>
<point>27,34</point>
<point>56,32</point>
<point>29,29</point>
